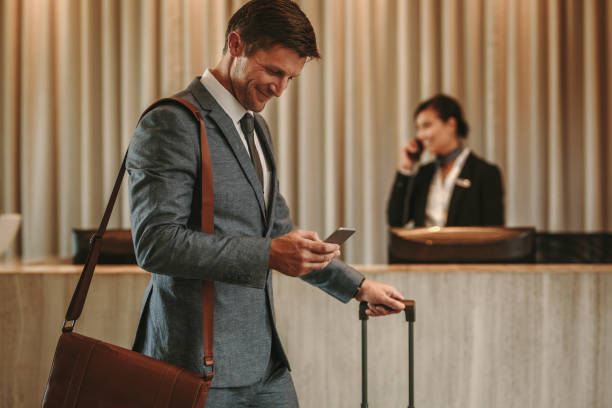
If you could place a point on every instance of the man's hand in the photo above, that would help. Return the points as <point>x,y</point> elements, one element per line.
<point>380,294</point>
<point>299,252</point>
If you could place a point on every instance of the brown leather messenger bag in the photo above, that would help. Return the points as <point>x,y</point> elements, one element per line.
<point>91,373</point>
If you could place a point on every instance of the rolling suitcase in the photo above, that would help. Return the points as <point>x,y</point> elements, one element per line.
<point>410,313</point>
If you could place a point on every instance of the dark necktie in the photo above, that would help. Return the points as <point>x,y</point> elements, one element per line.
<point>247,123</point>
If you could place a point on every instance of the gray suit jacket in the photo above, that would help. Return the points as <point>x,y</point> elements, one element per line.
<point>164,167</point>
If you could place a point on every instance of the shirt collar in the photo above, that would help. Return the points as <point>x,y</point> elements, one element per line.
<point>460,160</point>
<point>224,98</point>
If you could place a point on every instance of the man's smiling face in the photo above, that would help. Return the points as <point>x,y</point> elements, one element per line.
<point>257,78</point>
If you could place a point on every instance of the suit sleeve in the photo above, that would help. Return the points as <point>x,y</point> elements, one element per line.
<point>398,207</point>
<point>492,198</point>
<point>337,279</point>
<point>164,164</point>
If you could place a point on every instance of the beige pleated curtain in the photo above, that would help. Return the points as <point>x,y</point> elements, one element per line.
<point>533,77</point>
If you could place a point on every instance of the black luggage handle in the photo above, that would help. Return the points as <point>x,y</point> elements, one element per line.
<point>410,313</point>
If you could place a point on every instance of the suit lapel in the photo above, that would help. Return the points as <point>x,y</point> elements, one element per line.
<point>459,192</point>
<point>264,138</point>
<point>228,130</point>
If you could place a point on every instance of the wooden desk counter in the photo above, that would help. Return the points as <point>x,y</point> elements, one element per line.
<point>485,335</point>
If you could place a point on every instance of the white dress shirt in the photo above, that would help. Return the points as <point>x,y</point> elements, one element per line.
<point>441,191</point>
<point>236,111</point>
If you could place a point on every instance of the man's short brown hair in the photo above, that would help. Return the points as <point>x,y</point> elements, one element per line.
<point>265,23</point>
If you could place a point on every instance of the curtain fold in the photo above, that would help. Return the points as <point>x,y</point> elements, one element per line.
<point>532,78</point>
<point>10,95</point>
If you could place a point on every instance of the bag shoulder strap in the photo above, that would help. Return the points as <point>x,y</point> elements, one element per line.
<point>82,288</point>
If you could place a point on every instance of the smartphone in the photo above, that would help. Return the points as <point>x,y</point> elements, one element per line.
<point>340,235</point>
<point>415,157</point>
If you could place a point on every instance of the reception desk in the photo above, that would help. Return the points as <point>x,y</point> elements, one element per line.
<point>485,335</point>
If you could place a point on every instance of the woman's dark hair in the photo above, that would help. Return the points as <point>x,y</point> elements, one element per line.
<point>266,23</point>
<point>446,107</point>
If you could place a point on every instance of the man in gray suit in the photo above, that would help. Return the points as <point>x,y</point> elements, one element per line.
<point>267,44</point>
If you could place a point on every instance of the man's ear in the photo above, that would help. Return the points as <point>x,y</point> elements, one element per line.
<point>235,44</point>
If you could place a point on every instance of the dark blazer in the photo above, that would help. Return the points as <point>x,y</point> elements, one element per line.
<point>480,204</point>
<point>164,166</point>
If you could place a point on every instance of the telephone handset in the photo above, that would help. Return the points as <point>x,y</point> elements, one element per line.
<point>416,156</point>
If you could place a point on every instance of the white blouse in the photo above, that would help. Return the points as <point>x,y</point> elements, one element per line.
<point>441,191</point>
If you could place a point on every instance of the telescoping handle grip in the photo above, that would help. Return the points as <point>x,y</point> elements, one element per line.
<point>410,312</point>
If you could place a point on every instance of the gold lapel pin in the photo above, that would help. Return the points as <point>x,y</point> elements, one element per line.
<point>465,183</point>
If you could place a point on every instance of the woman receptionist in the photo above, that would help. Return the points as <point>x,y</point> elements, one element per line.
<point>458,188</point>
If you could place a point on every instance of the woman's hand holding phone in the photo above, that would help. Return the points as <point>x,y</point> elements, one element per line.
<point>410,154</point>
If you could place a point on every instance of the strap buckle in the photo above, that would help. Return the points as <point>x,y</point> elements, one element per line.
<point>68,325</point>
<point>209,369</point>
